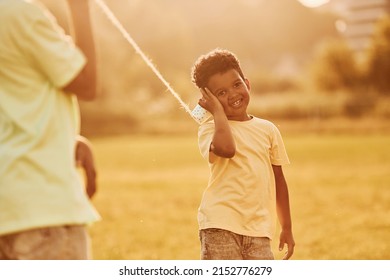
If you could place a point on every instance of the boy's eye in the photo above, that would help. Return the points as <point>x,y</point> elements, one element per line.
<point>238,84</point>
<point>221,93</point>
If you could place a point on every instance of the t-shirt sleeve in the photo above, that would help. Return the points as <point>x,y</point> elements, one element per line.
<point>50,49</point>
<point>205,137</point>
<point>278,151</point>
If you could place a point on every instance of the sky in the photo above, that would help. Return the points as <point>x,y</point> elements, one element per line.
<point>313,3</point>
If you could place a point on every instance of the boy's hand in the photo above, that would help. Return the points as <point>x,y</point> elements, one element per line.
<point>286,237</point>
<point>84,159</point>
<point>210,102</point>
<point>223,144</point>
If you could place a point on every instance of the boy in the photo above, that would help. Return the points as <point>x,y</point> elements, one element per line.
<point>43,208</point>
<point>245,154</point>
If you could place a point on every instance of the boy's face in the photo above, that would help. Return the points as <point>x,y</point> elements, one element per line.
<point>233,93</point>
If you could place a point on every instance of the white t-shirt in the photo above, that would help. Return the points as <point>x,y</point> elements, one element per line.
<point>240,196</point>
<point>39,182</point>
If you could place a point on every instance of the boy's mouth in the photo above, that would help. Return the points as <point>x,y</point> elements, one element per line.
<point>236,103</point>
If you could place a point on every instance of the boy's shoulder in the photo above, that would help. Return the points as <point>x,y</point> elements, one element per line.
<point>20,5</point>
<point>259,122</point>
<point>20,12</point>
<point>255,121</point>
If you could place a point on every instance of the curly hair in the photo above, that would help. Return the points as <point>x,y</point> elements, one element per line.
<point>216,61</point>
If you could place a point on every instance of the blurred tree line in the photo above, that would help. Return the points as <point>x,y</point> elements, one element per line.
<point>365,76</point>
<point>266,36</point>
<point>337,66</point>
<point>275,40</point>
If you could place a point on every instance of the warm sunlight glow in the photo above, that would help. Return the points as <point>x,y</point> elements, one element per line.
<point>313,3</point>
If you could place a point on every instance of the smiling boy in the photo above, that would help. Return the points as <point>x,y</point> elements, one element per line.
<point>247,188</point>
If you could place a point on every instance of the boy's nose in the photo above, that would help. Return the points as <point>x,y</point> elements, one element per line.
<point>233,93</point>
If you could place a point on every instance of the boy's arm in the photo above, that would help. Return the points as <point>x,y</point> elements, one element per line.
<point>223,144</point>
<point>84,85</point>
<point>84,159</point>
<point>283,210</point>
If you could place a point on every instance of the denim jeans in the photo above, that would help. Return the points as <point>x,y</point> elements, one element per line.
<point>52,243</point>
<point>219,244</point>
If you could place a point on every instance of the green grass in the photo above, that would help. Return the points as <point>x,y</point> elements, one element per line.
<point>150,188</point>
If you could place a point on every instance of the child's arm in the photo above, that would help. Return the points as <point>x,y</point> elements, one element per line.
<point>84,85</point>
<point>223,144</point>
<point>283,210</point>
<point>84,159</point>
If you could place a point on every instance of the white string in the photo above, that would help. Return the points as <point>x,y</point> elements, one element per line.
<point>138,50</point>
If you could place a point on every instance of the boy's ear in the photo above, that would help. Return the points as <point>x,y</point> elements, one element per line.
<point>248,85</point>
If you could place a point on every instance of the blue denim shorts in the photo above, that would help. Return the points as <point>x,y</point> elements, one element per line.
<point>219,244</point>
<point>51,243</point>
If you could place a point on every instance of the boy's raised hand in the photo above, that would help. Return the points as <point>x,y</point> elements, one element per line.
<point>210,102</point>
<point>223,144</point>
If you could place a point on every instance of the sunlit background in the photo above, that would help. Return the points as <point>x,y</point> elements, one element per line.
<point>305,59</point>
<point>313,3</point>
<point>319,69</point>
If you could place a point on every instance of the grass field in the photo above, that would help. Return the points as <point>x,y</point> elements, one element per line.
<point>150,188</point>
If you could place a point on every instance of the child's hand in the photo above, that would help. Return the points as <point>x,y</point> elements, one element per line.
<point>84,159</point>
<point>286,237</point>
<point>210,102</point>
<point>223,144</point>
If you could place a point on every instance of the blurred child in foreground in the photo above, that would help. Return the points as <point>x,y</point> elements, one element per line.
<point>247,189</point>
<point>44,209</point>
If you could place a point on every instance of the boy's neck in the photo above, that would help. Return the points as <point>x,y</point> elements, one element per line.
<point>241,119</point>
